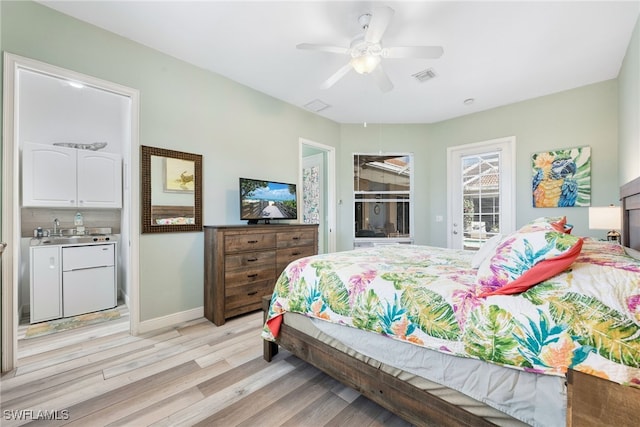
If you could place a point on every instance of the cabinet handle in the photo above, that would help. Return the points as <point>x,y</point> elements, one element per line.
<point>295,253</point>
<point>252,293</point>
<point>296,238</point>
<point>252,241</point>
<point>252,259</point>
<point>252,275</point>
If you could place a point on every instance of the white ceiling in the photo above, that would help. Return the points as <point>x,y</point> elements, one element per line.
<point>495,52</point>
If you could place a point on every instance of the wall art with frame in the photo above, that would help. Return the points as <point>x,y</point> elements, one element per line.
<point>561,178</point>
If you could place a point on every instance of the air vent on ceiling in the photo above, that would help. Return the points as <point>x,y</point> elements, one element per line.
<point>316,105</point>
<point>424,75</point>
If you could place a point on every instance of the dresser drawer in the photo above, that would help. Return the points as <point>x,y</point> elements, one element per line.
<point>240,299</point>
<point>285,256</point>
<point>234,278</point>
<point>249,259</point>
<point>296,238</point>
<point>249,242</point>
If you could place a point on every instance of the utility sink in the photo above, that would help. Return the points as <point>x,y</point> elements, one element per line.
<point>62,240</point>
<point>68,237</point>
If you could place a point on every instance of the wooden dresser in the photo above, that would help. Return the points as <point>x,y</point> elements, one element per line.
<point>242,263</point>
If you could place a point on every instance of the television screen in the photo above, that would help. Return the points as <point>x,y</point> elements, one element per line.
<point>266,200</point>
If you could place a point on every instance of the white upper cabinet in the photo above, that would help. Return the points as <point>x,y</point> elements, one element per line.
<point>99,180</point>
<point>66,177</point>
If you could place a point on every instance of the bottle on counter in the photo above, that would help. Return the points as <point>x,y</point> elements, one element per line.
<point>79,223</point>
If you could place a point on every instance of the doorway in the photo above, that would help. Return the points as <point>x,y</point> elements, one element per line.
<point>481,185</point>
<point>13,232</point>
<point>317,180</point>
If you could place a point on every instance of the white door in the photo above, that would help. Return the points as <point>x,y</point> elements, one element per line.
<point>481,185</point>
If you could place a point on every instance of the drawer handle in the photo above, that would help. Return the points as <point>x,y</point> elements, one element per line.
<point>295,253</point>
<point>251,276</point>
<point>296,238</point>
<point>252,259</point>
<point>252,293</point>
<point>252,241</point>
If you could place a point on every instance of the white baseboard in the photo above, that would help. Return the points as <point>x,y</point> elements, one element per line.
<point>170,320</point>
<point>124,296</point>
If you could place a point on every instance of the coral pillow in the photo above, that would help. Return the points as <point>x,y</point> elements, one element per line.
<point>523,260</point>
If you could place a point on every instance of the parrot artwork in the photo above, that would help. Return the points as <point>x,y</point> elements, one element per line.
<point>554,183</point>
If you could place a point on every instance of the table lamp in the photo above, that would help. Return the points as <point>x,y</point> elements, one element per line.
<point>606,218</point>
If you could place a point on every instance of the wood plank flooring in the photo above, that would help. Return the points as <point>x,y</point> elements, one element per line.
<point>193,374</point>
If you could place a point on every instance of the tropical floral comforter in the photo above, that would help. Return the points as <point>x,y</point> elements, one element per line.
<point>586,318</point>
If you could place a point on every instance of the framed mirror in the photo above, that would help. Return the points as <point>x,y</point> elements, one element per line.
<point>171,184</point>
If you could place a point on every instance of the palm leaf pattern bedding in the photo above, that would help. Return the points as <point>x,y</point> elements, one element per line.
<point>586,318</point>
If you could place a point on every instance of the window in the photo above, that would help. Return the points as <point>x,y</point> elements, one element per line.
<point>481,198</point>
<point>382,195</point>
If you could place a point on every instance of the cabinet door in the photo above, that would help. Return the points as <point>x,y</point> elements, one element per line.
<point>89,290</point>
<point>46,289</point>
<point>99,180</point>
<point>48,175</point>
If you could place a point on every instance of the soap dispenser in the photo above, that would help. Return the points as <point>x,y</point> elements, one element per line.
<point>79,223</point>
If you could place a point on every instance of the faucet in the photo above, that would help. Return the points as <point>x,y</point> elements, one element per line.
<point>56,224</point>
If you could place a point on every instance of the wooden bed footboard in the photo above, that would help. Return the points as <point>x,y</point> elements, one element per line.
<point>594,401</point>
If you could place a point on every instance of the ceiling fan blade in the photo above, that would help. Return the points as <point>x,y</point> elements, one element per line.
<point>382,79</point>
<point>378,25</point>
<point>323,48</point>
<point>336,76</point>
<point>413,52</point>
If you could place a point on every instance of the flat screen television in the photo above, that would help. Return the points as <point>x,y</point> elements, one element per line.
<point>267,200</point>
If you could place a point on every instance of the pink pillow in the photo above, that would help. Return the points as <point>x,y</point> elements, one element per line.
<point>523,260</point>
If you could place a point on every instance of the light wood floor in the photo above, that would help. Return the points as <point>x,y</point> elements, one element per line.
<point>192,374</point>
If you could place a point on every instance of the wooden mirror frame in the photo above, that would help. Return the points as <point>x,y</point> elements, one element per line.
<point>145,170</point>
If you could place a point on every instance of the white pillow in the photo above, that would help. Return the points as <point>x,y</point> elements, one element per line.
<point>485,250</point>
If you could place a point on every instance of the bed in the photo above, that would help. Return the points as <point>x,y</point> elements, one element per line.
<point>446,365</point>
<point>172,215</point>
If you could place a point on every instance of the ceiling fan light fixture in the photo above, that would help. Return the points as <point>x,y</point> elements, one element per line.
<point>365,64</point>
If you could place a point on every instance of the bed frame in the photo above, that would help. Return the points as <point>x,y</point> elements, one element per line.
<point>591,401</point>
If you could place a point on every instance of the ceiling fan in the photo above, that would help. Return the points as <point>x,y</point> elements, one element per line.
<point>366,50</point>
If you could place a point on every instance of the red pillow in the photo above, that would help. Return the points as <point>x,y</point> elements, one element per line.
<point>539,273</point>
<point>524,259</point>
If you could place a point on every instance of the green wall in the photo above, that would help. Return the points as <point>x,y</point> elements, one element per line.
<point>241,132</point>
<point>629,110</point>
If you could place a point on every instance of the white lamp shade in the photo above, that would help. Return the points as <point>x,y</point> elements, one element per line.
<point>605,218</point>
